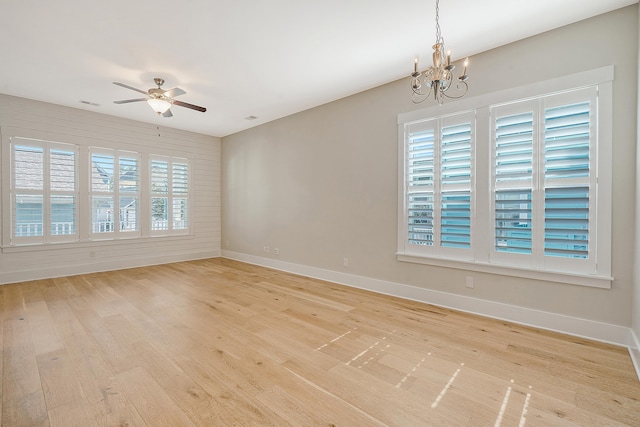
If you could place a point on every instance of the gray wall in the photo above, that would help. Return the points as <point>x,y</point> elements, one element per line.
<point>321,185</point>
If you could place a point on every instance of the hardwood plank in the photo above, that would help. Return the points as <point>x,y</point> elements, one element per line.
<point>58,380</point>
<point>45,337</point>
<point>151,401</point>
<point>71,415</point>
<point>22,394</point>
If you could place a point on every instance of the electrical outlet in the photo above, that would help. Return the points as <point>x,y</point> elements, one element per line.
<point>345,262</point>
<point>266,249</point>
<point>276,251</point>
<point>469,282</point>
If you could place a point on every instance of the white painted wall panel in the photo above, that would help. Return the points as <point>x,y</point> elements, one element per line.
<point>33,119</point>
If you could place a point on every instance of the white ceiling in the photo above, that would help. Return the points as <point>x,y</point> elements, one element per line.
<point>264,58</point>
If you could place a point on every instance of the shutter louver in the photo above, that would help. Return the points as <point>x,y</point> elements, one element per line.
<point>28,164</point>
<point>514,144</point>
<point>513,221</point>
<point>566,213</point>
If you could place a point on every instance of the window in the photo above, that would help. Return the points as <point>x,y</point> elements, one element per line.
<point>169,196</point>
<point>544,180</point>
<point>439,183</point>
<point>62,193</point>
<point>115,194</point>
<point>43,191</point>
<point>511,186</point>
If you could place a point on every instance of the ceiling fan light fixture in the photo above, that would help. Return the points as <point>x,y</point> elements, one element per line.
<point>159,105</point>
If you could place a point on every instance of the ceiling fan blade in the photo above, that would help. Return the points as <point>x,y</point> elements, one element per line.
<point>176,91</point>
<point>131,87</point>
<point>126,101</point>
<point>193,107</point>
<point>167,113</point>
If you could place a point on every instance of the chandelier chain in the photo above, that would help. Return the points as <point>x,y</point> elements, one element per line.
<point>439,38</point>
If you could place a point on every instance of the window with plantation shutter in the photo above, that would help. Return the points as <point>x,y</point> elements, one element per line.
<point>510,186</point>
<point>43,192</point>
<point>169,196</point>
<point>543,181</point>
<point>438,184</point>
<point>115,194</point>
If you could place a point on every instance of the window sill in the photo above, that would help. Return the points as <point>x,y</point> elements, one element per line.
<point>595,281</point>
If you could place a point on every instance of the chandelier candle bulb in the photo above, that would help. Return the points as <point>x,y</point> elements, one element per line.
<point>415,65</point>
<point>448,58</point>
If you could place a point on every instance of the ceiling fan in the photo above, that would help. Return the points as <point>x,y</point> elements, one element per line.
<point>160,100</point>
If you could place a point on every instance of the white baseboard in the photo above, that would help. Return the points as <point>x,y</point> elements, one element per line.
<point>634,350</point>
<point>598,331</point>
<point>97,266</point>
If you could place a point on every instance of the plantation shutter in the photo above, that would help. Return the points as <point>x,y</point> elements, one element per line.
<point>160,195</point>
<point>28,191</point>
<point>420,185</point>
<point>455,179</point>
<point>567,170</point>
<point>63,200</point>
<point>129,191</point>
<point>102,193</point>
<point>513,182</point>
<point>180,189</point>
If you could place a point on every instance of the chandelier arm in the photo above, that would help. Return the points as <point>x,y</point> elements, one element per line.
<point>466,88</point>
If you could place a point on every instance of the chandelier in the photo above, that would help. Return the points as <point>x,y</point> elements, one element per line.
<point>439,77</point>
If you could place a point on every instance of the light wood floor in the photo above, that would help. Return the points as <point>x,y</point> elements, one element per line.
<point>221,343</point>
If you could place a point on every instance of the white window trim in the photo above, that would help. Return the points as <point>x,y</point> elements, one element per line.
<point>603,77</point>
